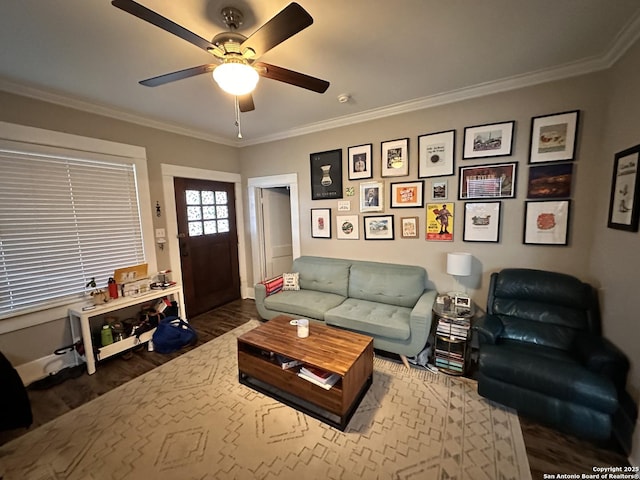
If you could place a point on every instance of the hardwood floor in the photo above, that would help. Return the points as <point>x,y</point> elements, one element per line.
<point>549,452</point>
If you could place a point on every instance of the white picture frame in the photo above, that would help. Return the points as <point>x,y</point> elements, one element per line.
<point>347,227</point>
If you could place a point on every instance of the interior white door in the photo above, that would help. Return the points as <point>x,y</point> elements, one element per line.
<point>276,224</point>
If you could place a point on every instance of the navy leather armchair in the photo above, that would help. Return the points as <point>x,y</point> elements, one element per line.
<point>542,353</point>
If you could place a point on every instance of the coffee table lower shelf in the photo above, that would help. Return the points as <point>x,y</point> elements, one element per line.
<point>337,421</point>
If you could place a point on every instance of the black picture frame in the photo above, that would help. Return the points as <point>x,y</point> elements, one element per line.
<point>360,161</point>
<point>624,201</point>
<point>326,175</point>
<point>554,137</point>
<point>546,222</point>
<point>482,221</point>
<point>320,223</point>
<point>407,194</point>
<point>490,140</point>
<point>436,154</point>
<point>378,227</point>
<point>496,180</point>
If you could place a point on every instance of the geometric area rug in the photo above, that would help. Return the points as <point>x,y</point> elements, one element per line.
<point>190,418</point>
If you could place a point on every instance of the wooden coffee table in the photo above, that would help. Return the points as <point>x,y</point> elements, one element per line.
<point>348,354</point>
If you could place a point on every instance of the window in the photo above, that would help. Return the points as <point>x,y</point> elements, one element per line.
<point>207,212</point>
<point>64,218</point>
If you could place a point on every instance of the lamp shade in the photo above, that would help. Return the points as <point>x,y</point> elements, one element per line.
<point>459,263</point>
<point>236,78</point>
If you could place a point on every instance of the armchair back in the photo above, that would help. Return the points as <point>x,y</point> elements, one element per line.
<point>541,307</point>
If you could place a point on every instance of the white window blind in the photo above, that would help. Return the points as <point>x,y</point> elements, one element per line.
<point>63,221</point>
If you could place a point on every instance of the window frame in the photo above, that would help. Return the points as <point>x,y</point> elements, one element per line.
<point>14,136</point>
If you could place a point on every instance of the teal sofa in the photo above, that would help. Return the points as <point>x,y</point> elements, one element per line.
<point>388,302</point>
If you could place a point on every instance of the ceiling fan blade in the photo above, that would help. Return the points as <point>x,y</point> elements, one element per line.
<point>298,79</point>
<point>179,75</point>
<point>246,103</point>
<point>286,24</point>
<point>158,20</point>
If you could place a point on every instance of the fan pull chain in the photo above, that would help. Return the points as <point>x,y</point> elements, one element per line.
<point>237,105</point>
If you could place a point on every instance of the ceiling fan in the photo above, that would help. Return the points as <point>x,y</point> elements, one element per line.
<point>234,51</point>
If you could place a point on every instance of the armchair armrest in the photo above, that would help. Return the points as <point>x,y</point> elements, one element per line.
<point>488,327</point>
<point>603,357</point>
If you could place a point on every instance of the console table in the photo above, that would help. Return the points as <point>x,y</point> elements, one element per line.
<point>80,321</point>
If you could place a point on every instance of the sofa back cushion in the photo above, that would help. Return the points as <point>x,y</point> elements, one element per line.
<point>541,307</point>
<point>400,285</point>
<point>322,274</point>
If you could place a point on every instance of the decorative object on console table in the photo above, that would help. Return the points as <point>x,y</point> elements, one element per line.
<point>452,334</point>
<point>493,140</point>
<point>326,175</point>
<point>624,205</point>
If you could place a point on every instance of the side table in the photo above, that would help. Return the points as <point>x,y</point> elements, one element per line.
<point>452,336</point>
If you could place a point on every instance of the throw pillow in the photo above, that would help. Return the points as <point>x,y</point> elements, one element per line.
<point>290,281</point>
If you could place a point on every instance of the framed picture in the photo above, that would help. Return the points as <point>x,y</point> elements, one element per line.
<point>546,222</point>
<point>360,165</point>
<point>440,221</point>
<point>550,181</point>
<point>321,223</point>
<point>439,190</point>
<point>436,153</point>
<point>409,227</point>
<point>407,194</point>
<point>347,227</point>
<point>493,140</point>
<point>344,205</point>
<point>395,158</point>
<point>482,222</point>
<point>378,227</point>
<point>553,137</point>
<point>371,196</point>
<point>625,202</point>
<point>326,175</point>
<point>488,181</point>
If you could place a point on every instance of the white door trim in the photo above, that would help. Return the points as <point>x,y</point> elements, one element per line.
<point>169,172</point>
<point>255,215</point>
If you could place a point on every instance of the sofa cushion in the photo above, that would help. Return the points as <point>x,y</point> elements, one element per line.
<point>400,285</point>
<point>306,303</point>
<point>372,318</point>
<point>321,274</point>
<point>549,371</point>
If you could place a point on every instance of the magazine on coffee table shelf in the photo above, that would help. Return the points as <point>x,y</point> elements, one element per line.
<point>319,377</point>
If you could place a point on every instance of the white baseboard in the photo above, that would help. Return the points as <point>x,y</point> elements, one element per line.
<point>42,367</point>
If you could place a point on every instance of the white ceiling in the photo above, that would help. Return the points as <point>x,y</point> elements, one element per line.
<point>389,56</point>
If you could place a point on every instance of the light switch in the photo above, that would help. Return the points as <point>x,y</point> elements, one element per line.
<point>160,233</point>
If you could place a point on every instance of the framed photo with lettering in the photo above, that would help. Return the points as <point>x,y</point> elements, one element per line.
<point>407,194</point>
<point>436,153</point>
<point>326,175</point>
<point>481,222</point>
<point>624,203</point>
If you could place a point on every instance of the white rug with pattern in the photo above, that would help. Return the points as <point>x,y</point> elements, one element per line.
<point>191,419</point>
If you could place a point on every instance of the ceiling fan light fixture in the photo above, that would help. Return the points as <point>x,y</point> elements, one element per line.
<point>235,77</point>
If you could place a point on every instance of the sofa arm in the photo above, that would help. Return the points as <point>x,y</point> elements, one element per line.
<point>420,318</point>
<point>488,327</point>
<point>601,356</point>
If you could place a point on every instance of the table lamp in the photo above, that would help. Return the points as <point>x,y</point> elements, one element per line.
<point>458,265</point>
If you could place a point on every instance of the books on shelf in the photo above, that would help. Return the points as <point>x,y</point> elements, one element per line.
<point>319,377</point>
<point>286,362</point>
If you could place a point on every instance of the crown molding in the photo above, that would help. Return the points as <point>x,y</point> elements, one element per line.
<point>90,107</point>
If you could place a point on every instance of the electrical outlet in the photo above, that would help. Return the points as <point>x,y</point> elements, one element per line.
<point>160,233</point>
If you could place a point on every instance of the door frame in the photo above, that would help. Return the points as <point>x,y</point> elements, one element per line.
<point>169,172</point>
<point>254,185</point>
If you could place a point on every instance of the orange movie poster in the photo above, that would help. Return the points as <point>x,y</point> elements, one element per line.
<point>440,221</point>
